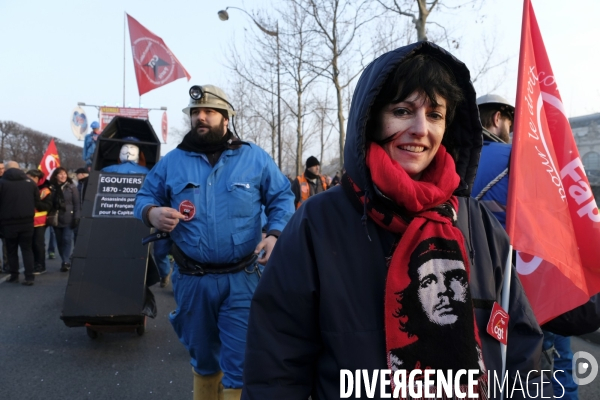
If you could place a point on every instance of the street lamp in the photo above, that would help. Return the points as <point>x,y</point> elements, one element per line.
<point>224,16</point>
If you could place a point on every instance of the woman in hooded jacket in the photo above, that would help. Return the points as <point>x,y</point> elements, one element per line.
<point>397,268</point>
<point>67,202</point>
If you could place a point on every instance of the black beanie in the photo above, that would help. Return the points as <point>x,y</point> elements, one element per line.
<point>312,161</point>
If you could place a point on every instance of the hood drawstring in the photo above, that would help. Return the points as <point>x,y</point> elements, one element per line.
<point>363,219</point>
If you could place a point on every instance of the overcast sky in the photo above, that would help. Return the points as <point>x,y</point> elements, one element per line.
<point>58,53</point>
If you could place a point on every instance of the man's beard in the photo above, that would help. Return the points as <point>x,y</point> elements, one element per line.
<point>213,135</point>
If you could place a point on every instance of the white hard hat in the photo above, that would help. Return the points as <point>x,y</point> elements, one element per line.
<point>495,99</point>
<point>210,97</point>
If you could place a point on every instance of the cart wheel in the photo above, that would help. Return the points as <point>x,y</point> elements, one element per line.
<point>92,333</point>
<point>140,330</point>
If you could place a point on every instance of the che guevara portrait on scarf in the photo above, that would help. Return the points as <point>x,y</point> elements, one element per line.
<point>397,268</point>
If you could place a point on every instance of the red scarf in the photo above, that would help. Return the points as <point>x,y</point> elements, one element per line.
<point>429,316</point>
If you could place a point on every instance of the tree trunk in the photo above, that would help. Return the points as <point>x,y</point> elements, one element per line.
<point>322,123</point>
<point>299,145</point>
<point>420,23</point>
<point>340,105</point>
<point>273,136</point>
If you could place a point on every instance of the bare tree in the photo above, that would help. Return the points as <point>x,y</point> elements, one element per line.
<point>405,8</point>
<point>258,70</point>
<point>339,23</point>
<point>299,43</point>
<point>178,132</point>
<point>419,11</point>
<point>27,146</point>
<point>323,123</point>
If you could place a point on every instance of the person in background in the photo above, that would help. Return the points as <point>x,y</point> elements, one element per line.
<point>19,197</point>
<point>89,144</point>
<point>67,201</point>
<point>336,180</point>
<point>309,183</point>
<point>82,175</point>
<point>51,244</point>
<point>39,220</point>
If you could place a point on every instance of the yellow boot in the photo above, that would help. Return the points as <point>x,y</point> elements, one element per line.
<point>232,394</point>
<point>207,387</point>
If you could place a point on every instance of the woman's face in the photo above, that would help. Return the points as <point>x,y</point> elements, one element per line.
<point>419,129</point>
<point>61,177</point>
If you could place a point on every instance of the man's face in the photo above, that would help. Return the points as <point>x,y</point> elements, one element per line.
<point>315,169</point>
<point>81,176</point>
<point>504,129</point>
<point>442,285</point>
<point>209,124</point>
<point>34,178</point>
<point>1,169</point>
<point>129,152</point>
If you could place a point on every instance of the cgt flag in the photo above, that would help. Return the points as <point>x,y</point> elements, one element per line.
<point>153,62</point>
<point>552,217</point>
<point>50,160</point>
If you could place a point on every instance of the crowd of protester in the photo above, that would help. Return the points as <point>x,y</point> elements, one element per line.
<point>32,204</point>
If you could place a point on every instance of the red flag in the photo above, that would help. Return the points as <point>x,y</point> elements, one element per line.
<point>552,217</point>
<point>164,126</point>
<point>50,160</point>
<point>153,62</point>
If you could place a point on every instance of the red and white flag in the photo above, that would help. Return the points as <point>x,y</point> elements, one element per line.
<point>50,160</point>
<point>552,217</point>
<point>153,62</point>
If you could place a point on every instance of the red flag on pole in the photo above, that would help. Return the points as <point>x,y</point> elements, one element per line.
<point>552,217</point>
<point>50,160</point>
<point>153,62</point>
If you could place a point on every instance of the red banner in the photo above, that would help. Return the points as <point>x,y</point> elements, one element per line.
<point>164,126</point>
<point>552,217</point>
<point>153,62</point>
<point>108,113</point>
<point>50,160</point>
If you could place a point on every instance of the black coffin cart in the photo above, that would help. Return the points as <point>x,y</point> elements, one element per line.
<point>110,271</point>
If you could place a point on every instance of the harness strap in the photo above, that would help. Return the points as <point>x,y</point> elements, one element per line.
<point>189,266</point>
<point>491,184</point>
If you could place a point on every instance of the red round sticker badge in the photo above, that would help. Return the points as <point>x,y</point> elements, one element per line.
<point>188,209</point>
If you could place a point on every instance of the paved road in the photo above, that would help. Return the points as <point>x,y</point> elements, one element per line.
<point>41,358</point>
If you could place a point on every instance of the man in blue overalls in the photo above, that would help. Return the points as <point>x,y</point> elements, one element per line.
<point>208,194</point>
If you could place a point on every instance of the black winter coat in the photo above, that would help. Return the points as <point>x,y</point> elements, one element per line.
<point>70,208</point>
<point>18,198</point>
<point>46,202</point>
<point>319,306</point>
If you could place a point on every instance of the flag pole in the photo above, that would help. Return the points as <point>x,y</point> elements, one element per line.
<point>124,29</point>
<point>505,304</point>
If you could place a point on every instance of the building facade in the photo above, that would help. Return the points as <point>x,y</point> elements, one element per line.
<point>586,130</point>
